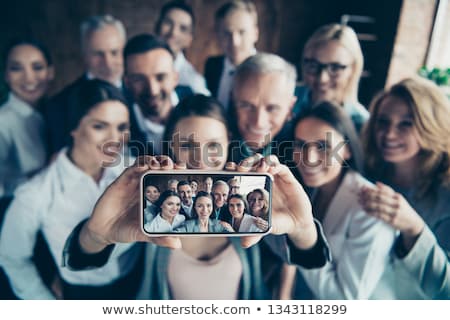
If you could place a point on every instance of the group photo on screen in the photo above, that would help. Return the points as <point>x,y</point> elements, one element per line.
<point>201,203</point>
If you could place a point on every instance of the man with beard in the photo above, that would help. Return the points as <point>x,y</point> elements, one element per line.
<point>152,82</point>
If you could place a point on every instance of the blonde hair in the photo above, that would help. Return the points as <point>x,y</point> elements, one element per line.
<point>431,117</point>
<point>265,195</point>
<point>347,38</point>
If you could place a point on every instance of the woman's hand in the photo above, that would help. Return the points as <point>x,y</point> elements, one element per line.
<point>116,216</point>
<point>261,224</point>
<point>385,204</point>
<point>291,208</point>
<point>227,226</point>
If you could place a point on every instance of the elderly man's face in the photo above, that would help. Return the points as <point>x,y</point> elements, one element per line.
<point>103,54</point>
<point>263,104</point>
<point>151,78</point>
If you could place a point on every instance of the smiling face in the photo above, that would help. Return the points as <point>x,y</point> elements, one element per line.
<point>257,203</point>
<point>236,207</point>
<point>170,208</point>
<point>27,73</point>
<point>263,103</point>
<point>326,86</point>
<point>201,143</point>
<point>395,133</point>
<point>151,78</point>
<point>185,193</point>
<point>203,207</point>
<point>319,152</point>
<point>101,133</point>
<point>103,54</point>
<point>220,194</point>
<point>176,29</point>
<point>152,193</point>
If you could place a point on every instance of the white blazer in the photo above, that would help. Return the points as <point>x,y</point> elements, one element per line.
<point>359,244</point>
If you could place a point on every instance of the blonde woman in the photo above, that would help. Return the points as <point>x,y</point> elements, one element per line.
<point>407,147</point>
<point>332,64</point>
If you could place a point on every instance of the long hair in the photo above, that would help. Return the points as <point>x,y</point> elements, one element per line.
<point>166,194</point>
<point>335,116</point>
<point>431,118</point>
<point>201,194</point>
<point>265,194</point>
<point>347,38</point>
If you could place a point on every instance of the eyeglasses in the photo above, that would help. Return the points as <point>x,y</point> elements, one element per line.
<point>314,67</point>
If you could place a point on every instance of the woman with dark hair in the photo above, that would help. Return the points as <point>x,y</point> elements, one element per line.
<point>328,157</point>
<point>168,215</point>
<point>407,150</point>
<point>28,73</point>
<point>198,129</point>
<point>202,209</point>
<point>241,220</point>
<point>63,194</point>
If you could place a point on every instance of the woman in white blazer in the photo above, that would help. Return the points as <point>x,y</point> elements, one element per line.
<point>329,160</point>
<point>63,195</point>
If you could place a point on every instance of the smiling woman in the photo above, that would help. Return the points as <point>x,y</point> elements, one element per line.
<point>62,195</point>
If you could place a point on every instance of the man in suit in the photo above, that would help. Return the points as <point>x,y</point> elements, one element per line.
<point>102,41</point>
<point>175,25</point>
<point>185,191</point>
<point>236,24</point>
<point>263,98</point>
<point>151,80</point>
<point>220,191</point>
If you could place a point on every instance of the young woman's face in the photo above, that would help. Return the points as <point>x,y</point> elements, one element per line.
<point>395,133</point>
<point>201,143</point>
<point>170,207</point>
<point>101,133</point>
<point>194,186</point>
<point>236,207</point>
<point>28,73</point>
<point>203,207</point>
<point>330,83</point>
<point>152,193</point>
<point>256,203</point>
<point>319,152</point>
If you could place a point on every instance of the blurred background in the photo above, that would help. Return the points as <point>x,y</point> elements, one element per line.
<point>398,37</point>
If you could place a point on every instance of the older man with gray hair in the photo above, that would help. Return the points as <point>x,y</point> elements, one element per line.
<point>102,41</point>
<point>263,98</point>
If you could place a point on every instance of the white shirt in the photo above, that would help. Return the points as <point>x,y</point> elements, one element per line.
<point>188,76</point>
<point>22,147</point>
<point>55,201</point>
<point>248,224</point>
<point>153,131</point>
<point>160,225</point>
<point>226,82</point>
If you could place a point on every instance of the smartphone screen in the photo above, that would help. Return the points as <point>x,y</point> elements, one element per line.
<point>187,203</point>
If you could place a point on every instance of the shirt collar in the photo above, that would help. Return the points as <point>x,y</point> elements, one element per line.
<point>117,83</point>
<point>71,174</point>
<point>229,66</point>
<point>180,59</point>
<point>20,106</point>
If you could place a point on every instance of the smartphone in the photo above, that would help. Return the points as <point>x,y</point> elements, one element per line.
<point>207,203</point>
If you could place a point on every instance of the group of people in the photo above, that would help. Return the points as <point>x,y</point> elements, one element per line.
<point>222,209</point>
<point>361,197</point>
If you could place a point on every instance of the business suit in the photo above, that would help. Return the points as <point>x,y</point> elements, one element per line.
<point>213,72</point>
<point>360,246</point>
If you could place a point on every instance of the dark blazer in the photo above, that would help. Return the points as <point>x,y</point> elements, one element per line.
<point>213,72</point>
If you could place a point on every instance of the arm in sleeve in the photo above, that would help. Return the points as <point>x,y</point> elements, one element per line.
<point>76,259</point>
<point>17,240</point>
<point>360,265</point>
<point>428,263</point>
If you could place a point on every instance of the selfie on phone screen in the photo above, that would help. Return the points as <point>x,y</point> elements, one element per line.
<point>206,203</point>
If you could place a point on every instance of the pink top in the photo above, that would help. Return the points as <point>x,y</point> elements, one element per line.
<point>214,279</point>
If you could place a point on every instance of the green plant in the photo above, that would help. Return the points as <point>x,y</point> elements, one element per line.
<point>439,76</point>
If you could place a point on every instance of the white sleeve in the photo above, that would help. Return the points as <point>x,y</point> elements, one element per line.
<point>359,267</point>
<point>17,240</point>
